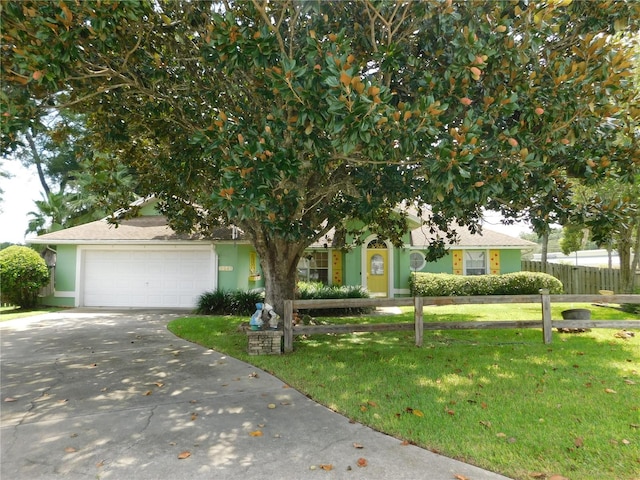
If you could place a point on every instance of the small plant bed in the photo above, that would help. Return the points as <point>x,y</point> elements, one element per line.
<point>499,399</point>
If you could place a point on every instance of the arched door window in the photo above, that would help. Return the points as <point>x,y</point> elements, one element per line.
<point>376,243</point>
<point>377,264</point>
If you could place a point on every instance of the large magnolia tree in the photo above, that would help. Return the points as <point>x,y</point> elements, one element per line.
<point>286,118</point>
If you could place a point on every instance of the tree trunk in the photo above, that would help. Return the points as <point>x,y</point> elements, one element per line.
<point>545,249</point>
<point>624,253</point>
<point>635,261</point>
<point>279,261</point>
<point>38,161</point>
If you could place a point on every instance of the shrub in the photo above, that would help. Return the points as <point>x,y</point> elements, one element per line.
<point>215,302</point>
<point>317,291</point>
<point>517,283</point>
<point>222,302</point>
<point>22,274</point>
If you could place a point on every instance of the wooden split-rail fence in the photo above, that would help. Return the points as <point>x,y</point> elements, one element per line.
<point>546,323</point>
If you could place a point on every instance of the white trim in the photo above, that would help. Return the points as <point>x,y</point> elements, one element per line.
<point>364,266</point>
<point>64,294</point>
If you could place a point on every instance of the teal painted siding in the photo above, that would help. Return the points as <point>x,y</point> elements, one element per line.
<point>442,265</point>
<point>352,267</point>
<point>510,261</point>
<point>65,277</point>
<point>233,267</point>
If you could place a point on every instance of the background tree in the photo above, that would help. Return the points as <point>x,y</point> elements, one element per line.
<point>288,118</point>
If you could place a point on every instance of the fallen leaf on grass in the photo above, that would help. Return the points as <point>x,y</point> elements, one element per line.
<point>558,477</point>
<point>255,433</point>
<point>362,462</point>
<point>326,466</point>
<point>609,390</point>
<point>183,455</point>
<point>629,382</point>
<point>578,442</point>
<point>537,475</point>
<point>373,404</point>
<point>414,411</point>
<point>626,442</point>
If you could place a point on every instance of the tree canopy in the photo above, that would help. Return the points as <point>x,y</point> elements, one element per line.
<point>288,118</point>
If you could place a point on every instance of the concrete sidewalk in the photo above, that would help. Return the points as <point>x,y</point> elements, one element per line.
<point>113,395</point>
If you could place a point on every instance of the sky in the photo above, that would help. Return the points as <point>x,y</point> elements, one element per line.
<point>23,189</point>
<point>20,191</point>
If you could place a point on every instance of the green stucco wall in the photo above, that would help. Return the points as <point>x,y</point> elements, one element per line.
<point>233,267</point>
<point>510,261</point>
<point>65,277</point>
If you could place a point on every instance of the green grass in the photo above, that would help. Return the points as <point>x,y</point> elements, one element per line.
<point>499,399</point>
<point>11,313</point>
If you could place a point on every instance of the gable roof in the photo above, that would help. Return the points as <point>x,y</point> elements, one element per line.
<point>155,229</point>
<point>487,239</point>
<point>145,229</point>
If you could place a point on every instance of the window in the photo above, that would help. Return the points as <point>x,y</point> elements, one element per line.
<point>314,267</point>
<point>416,261</point>
<point>475,262</point>
<point>377,264</point>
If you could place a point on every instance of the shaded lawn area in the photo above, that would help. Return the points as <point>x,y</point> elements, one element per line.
<point>499,399</point>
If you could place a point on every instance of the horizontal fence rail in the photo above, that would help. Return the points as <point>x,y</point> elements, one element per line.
<point>418,325</point>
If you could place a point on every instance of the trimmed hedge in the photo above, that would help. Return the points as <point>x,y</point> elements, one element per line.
<point>517,283</point>
<point>22,274</point>
<point>318,291</point>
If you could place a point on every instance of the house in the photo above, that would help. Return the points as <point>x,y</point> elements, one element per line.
<point>143,263</point>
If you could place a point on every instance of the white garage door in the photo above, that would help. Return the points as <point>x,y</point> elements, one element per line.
<point>146,278</point>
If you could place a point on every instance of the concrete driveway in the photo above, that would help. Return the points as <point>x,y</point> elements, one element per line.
<point>94,394</point>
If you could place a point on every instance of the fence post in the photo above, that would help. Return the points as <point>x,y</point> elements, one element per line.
<point>288,326</point>
<point>547,329</point>
<point>418,316</point>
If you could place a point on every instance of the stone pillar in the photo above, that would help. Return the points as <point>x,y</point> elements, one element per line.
<point>264,342</point>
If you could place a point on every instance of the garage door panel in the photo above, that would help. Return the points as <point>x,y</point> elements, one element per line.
<point>146,278</point>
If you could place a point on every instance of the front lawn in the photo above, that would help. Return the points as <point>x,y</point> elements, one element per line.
<point>499,399</point>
